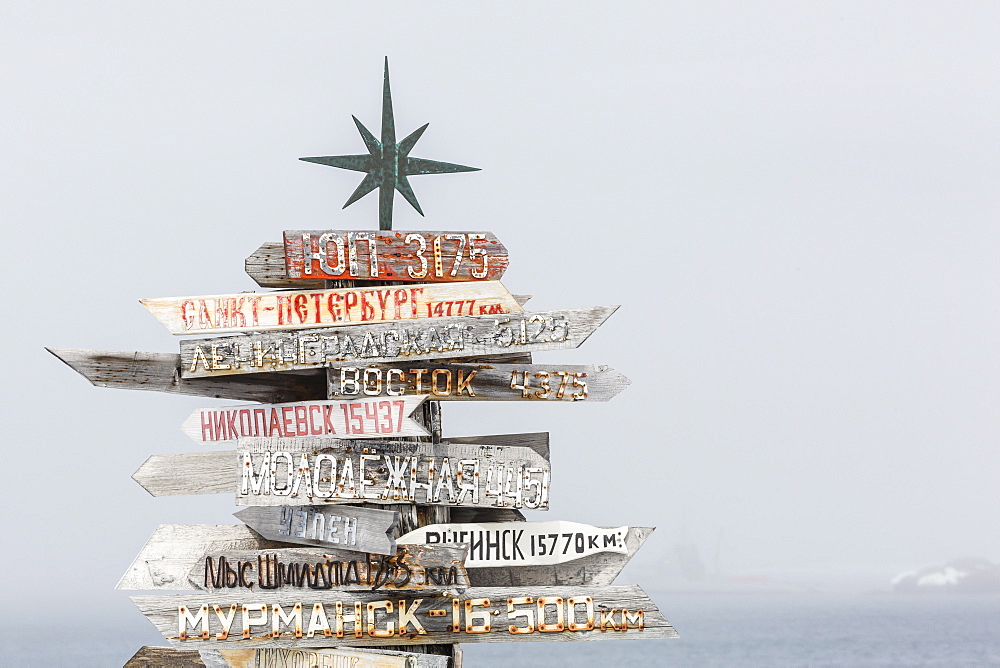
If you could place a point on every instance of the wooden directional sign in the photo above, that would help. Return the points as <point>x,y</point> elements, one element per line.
<point>411,568</point>
<point>281,471</point>
<point>317,619</point>
<point>162,657</point>
<point>600,568</point>
<point>161,372</point>
<point>276,657</point>
<point>363,418</point>
<point>168,657</point>
<point>506,544</point>
<point>478,382</point>
<point>437,338</point>
<point>168,556</point>
<point>419,256</point>
<point>342,527</point>
<point>220,472</point>
<point>206,556</point>
<point>250,311</point>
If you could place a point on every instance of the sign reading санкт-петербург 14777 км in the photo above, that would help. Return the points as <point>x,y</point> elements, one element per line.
<point>428,338</point>
<point>283,309</point>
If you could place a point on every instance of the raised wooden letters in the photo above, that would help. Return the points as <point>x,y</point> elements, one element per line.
<point>256,311</point>
<point>440,338</point>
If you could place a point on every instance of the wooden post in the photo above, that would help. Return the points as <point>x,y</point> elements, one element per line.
<point>412,516</point>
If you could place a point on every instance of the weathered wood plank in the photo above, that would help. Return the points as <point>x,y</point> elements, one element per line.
<point>397,259</point>
<point>215,620</point>
<point>165,657</point>
<point>172,549</point>
<point>282,471</point>
<point>161,372</point>
<point>597,569</point>
<point>219,472</point>
<point>320,658</point>
<point>353,528</point>
<point>191,557</point>
<point>168,657</point>
<point>413,568</point>
<point>363,418</point>
<point>505,545</point>
<point>394,255</point>
<point>310,309</point>
<point>478,382</point>
<point>438,338</point>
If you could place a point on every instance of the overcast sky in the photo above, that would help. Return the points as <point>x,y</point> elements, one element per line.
<point>795,204</point>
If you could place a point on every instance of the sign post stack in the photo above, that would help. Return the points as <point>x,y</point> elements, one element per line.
<point>367,538</point>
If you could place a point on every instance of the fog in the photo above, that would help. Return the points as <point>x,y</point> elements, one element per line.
<point>795,204</point>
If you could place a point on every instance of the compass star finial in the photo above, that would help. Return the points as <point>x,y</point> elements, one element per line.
<point>388,162</point>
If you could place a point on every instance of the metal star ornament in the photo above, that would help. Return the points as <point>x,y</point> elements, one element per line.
<point>388,162</point>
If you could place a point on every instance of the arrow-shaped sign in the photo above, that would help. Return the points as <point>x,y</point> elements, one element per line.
<point>314,619</point>
<point>478,382</point>
<point>161,372</point>
<point>310,309</point>
<point>221,472</point>
<point>155,657</point>
<point>339,527</point>
<point>506,544</point>
<point>437,338</point>
<point>419,256</point>
<point>362,418</point>
<point>187,557</point>
<point>281,471</point>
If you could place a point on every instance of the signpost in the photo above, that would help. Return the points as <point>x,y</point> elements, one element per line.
<point>478,382</point>
<point>372,619</point>
<point>362,418</point>
<point>424,339</point>
<point>363,527</point>
<point>309,309</point>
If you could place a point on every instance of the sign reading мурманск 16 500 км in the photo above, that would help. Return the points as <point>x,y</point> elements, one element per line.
<point>428,338</point>
<point>480,614</point>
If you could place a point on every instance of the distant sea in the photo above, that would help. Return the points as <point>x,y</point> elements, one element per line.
<point>745,629</point>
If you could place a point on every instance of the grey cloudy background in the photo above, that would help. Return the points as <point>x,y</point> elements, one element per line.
<point>795,203</point>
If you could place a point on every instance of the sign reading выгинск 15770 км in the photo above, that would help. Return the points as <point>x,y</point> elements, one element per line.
<point>307,309</point>
<point>394,256</point>
<point>427,338</point>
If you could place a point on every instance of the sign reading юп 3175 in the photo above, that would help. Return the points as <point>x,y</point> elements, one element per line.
<point>388,255</point>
